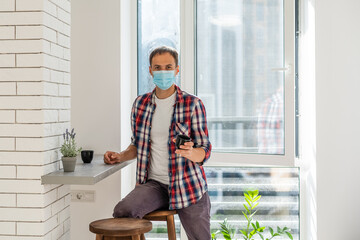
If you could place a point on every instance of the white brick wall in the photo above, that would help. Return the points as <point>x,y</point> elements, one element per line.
<point>34,112</point>
<point>7,144</point>
<point>8,228</point>
<point>37,116</point>
<point>8,200</point>
<point>7,32</point>
<point>7,116</point>
<point>7,60</point>
<point>8,88</point>
<point>7,5</point>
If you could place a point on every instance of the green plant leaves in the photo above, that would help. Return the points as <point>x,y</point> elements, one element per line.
<point>253,193</point>
<point>262,237</point>
<point>252,198</point>
<point>214,235</point>
<point>227,230</point>
<point>247,209</point>
<point>254,206</point>
<point>257,198</point>
<point>248,201</point>
<point>246,216</point>
<point>289,235</point>
<point>253,225</point>
<point>243,232</point>
<point>253,214</point>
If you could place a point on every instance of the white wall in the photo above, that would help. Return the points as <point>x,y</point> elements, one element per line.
<point>307,129</point>
<point>95,107</point>
<point>338,118</point>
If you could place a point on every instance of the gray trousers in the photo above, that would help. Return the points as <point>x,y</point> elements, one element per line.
<point>153,195</point>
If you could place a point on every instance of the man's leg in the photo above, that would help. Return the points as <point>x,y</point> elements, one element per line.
<point>143,199</point>
<point>196,219</point>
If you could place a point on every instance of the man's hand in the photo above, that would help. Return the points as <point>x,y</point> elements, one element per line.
<point>187,151</point>
<point>112,157</point>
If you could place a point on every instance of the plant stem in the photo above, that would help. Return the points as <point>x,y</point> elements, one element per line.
<point>249,220</point>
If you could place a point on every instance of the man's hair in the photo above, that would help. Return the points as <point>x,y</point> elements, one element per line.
<point>164,49</point>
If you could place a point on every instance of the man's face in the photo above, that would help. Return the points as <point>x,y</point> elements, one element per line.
<point>163,62</point>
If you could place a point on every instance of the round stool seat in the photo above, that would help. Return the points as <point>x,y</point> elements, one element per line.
<point>159,214</point>
<point>120,227</point>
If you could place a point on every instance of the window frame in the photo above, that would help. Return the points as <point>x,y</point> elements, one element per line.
<point>188,83</point>
<point>188,41</point>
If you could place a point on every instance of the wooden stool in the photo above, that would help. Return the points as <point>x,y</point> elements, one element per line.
<point>164,215</point>
<point>120,228</point>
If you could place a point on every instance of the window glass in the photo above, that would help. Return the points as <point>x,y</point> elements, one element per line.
<point>239,46</point>
<point>158,25</point>
<point>278,205</point>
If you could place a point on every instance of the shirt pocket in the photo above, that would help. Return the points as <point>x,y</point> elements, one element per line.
<point>182,128</point>
<point>142,120</point>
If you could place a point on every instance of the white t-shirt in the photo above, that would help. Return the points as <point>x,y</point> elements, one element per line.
<point>159,135</point>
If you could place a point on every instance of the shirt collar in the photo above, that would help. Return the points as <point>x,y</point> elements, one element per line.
<point>179,95</point>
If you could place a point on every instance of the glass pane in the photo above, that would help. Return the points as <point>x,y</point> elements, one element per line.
<point>278,205</point>
<point>158,25</point>
<point>239,45</point>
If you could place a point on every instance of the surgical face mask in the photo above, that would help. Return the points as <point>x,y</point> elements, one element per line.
<point>164,79</point>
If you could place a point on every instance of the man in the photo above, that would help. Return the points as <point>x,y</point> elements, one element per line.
<point>168,178</point>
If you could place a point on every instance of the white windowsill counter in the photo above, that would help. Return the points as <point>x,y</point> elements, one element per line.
<point>85,173</point>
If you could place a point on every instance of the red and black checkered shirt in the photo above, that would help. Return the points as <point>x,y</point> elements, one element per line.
<point>187,180</point>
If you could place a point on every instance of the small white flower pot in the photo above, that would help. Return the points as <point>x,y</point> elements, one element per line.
<point>69,163</point>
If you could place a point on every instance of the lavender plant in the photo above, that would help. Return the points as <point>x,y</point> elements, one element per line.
<point>253,227</point>
<point>69,149</point>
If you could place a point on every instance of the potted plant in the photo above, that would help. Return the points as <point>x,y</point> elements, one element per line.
<point>69,151</point>
<point>253,227</point>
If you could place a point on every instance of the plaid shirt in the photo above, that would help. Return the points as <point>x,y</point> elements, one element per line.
<point>187,179</point>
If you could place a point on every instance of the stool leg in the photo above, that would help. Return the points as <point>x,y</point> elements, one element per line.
<point>171,227</point>
<point>99,237</point>
<point>142,237</point>
<point>135,237</point>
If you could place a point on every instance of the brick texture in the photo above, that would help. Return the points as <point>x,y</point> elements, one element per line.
<point>34,112</point>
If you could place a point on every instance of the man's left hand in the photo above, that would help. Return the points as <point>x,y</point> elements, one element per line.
<point>187,151</point>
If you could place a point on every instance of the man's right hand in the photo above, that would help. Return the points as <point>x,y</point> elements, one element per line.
<point>112,157</point>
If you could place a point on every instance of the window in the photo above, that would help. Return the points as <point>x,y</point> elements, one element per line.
<point>278,206</point>
<point>239,58</point>
<point>243,74</point>
<point>158,24</point>
<point>239,43</point>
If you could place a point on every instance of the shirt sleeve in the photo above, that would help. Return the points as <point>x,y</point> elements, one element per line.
<point>133,124</point>
<point>199,130</point>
